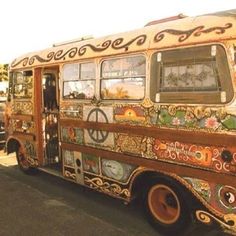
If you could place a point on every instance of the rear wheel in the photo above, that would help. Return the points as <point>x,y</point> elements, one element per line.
<point>23,163</point>
<point>166,206</point>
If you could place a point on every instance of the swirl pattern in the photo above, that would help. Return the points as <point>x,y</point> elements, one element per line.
<point>196,32</point>
<point>109,188</point>
<point>99,48</point>
<point>228,223</point>
<point>23,61</point>
<point>117,44</point>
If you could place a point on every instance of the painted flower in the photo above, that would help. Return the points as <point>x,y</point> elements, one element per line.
<point>212,123</point>
<point>189,117</point>
<point>176,121</point>
<point>71,134</point>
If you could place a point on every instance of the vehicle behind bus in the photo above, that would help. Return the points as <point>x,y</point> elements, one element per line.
<point>3,98</point>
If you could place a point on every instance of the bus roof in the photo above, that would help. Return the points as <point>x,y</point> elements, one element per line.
<point>214,27</point>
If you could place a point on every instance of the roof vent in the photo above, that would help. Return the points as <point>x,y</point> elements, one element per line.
<point>172,18</point>
<point>73,41</point>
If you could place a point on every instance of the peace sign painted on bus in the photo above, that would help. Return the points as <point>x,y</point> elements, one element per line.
<point>96,115</point>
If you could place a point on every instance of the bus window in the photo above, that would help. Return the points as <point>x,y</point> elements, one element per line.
<point>123,78</point>
<point>23,84</point>
<point>78,81</point>
<point>194,75</point>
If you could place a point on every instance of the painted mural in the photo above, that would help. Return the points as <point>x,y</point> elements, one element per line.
<point>72,135</point>
<point>23,126</point>
<point>22,107</point>
<point>201,118</point>
<point>91,164</point>
<point>223,197</point>
<point>130,114</point>
<point>196,155</point>
<point>98,173</point>
<point>190,118</point>
<point>69,110</point>
<point>126,143</point>
<point>30,153</point>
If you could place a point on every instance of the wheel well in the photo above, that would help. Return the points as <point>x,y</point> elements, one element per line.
<point>12,145</point>
<point>142,181</point>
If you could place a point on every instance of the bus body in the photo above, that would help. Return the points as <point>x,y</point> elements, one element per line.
<point>148,113</point>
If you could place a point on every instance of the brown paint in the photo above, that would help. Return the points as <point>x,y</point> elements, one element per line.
<point>38,113</point>
<point>156,165</point>
<point>196,137</point>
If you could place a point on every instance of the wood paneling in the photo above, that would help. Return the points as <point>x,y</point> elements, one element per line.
<point>196,137</point>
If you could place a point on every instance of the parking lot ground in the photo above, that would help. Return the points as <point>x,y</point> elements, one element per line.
<point>43,204</point>
<point>7,160</point>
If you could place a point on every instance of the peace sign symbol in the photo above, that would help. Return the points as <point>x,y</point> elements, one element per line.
<point>96,115</point>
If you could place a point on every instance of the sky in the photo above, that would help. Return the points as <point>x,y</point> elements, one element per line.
<point>33,25</point>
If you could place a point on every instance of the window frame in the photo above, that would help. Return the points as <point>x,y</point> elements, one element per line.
<point>124,77</point>
<point>224,94</point>
<point>13,84</point>
<point>79,79</point>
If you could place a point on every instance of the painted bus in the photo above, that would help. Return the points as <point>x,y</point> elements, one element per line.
<point>147,114</point>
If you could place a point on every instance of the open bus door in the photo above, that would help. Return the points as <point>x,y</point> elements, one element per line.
<point>50,105</point>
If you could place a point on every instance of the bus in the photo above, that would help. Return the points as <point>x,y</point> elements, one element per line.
<point>147,114</point>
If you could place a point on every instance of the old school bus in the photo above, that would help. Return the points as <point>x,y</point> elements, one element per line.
<point>149,113</point>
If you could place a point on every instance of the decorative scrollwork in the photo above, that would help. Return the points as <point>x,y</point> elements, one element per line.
<point>113,189</point>
<point>70,175</point>
<point>203,217</point>
<point>101,48</point>
<point>229,223</point>
<point>217,29</point>
<point>196,32</point>
<point>147,103</point>
<point>23,107</point>
<point>172,110</point>
<point>24,62</point>
<point>117,44</point>
<point>31,161</point>
<point>61,55</point>
<point>231,220</point>
<point>74,51</point>
<point>38,58</point>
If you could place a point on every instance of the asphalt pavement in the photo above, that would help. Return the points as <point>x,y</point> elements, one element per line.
<point>46,205</point>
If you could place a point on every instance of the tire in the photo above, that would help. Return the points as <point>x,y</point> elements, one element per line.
<point>23,164</point>
<point>166,206</point>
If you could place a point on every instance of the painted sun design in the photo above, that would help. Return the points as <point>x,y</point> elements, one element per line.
<point>130,114</point>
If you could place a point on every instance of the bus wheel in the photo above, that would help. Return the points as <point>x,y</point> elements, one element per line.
<point>166,207</point>
<point>22,161</point>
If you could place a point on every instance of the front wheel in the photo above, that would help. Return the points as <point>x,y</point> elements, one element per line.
<point>166,206</point>
<point>23,163</point>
